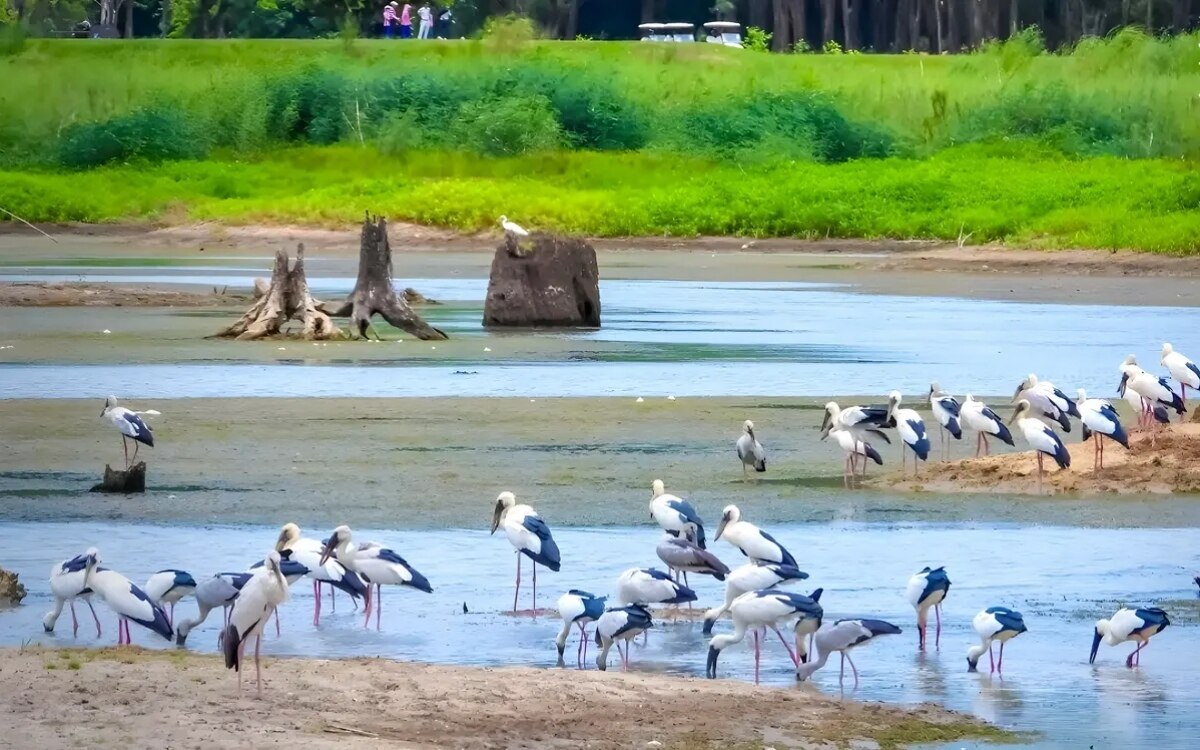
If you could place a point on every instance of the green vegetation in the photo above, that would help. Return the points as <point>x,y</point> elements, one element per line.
<point>1093,148</point>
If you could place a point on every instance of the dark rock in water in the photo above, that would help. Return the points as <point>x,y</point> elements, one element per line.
<point>124,482</point>
<point>543,280</point>
<point>11,590</point>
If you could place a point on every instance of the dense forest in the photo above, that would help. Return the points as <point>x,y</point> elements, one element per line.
<point>935,26</point>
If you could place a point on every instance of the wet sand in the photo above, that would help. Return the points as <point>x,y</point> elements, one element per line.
<point>1168,463</point>
<point>74,698</point>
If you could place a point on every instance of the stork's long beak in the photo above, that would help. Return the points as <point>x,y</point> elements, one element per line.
<point>1121,385</point>
<point>721,528</point>
<point>1095,646</point>
<point>496,516</point>
<point>826,423</point>
<point>330,546</point>
<point>281,541</point>
<point>710,669</point>
<point>1013,418</point>
<point>1017,392</point>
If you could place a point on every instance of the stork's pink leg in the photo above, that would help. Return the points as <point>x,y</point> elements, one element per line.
<point>937,637</point>
<point>276,622</point>
<point>992,658</point>
<point>378,606</point>
<point>257,665</point>
<point>1000,668</point>
<point>842,672</point>
<point>517,590</point>
<point>791,653</point>
<point>854,668</point>
<point>316,602</point>
<point>368,602</point>
<point>534,605</point>
<point>125,447</point>
<point>757,656</point>
<point>332,598</point>
<point>74,622</point>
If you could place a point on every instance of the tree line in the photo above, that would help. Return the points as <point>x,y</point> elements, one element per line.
<point>935,26</point>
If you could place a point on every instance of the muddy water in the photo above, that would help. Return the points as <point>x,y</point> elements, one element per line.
<point>1076,576</point>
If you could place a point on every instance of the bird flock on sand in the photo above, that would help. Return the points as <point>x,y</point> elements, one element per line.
<point>756,600</point>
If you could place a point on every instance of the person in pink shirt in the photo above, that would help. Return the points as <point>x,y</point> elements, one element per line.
<point>406,22</point>
<point>389,19</point>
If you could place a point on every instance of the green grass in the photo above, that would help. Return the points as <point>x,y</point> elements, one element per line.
<point>1015,194</point>
<point>1093,148</point>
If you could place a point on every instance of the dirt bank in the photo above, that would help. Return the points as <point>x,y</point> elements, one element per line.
<point>1169,464</point>
<point>881,254</point>
<point>36,294</point>
<point>133,698</point>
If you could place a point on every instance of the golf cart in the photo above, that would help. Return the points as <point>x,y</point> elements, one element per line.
<point>726,33</point>
<point>653,32</point>
<point>680,32</point>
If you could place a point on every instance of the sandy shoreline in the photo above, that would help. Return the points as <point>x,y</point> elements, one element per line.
<point>97,698</point>
<point>859,254</point>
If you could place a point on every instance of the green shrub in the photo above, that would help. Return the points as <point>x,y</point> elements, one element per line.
<point>404,132</point>
<point>757,40</point>
<point>507,127</point>
<point>152,134</point>
<point>12,38</point>
<point>309,105</point>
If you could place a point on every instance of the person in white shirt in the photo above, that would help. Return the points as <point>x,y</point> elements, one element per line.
<point>425,13</point>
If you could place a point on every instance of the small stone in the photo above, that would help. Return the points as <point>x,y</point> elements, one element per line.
<point>670,398</point>
<point>106,331</point>
<point>653,744</point>
<point>282,349</point>
<point>487,348</point>
<point>640,399</point>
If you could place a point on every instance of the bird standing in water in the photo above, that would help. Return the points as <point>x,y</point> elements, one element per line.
<point>927,590</point>
<point>530,535</point>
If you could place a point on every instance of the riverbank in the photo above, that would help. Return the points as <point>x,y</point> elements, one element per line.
<point>1166,463</point>
<point>73,697</point>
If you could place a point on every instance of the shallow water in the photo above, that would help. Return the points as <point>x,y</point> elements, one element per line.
<point>659,338</point>
<point>1076,576</point>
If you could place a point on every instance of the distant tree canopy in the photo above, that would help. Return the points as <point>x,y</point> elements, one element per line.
<point>870,25</point>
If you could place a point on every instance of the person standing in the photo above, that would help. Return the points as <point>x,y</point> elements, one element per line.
<point>425,13</point>
<point>389,19</point>
<point>446,20</point>
<point>406,22</point>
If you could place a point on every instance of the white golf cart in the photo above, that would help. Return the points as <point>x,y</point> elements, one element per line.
<point>653,32</point>
<point>680,32</point>
<point>725,33</point>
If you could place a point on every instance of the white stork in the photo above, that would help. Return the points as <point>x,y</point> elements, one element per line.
<point>129,424</point>
<point>864,422</point>
<point>762,609</point>
<point>1184,370</point>
<point>752,577</point>
<point>945,410</point>
<point>577,608</point>
<point>927,589</point>
<point>1153,389</point>
<point>1127,624</point>
<point>307,552</point>
<point>376,566</point>
<point>911,429</point>
<point>994,624</point>
<point>1100,418</point>
<point>258,600</point>
<point>842,636</point>
<point>219,591</point>
<point>675,516</point>
<point>127,600</point>
<point>167,587</point>
<point>529,535</point>
<point>68,582</point>
<point>1046,400</point>
<point>1041,438</point>
<point>651,586</point>
<point>750,451</point>
<point>977,416</point>
<point>752,541</point>
<point>683,557</point>
<point>854,449</point>
<point>620,624</point>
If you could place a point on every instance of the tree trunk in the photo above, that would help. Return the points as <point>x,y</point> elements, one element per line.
<point>572,29</point>
<point>1014,17</point>
<point>848,24</point>
<point>123,482</point>
<point>935,6</point>
<point>648,7</point>
<point>914,23</point>
<point>953,42</point>
<point>828,20</point>
<point>164,23</point>
<point>1149,16</point>
<point>129,19</point>
<point>758,12</point>
<point>1180,10</point>
<point>373,291</point>
<point>781,32</point>
<point>285,297</point>
<point>903,19</point>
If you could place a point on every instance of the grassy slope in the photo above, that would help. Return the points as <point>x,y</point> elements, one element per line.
<point>1016,192</point>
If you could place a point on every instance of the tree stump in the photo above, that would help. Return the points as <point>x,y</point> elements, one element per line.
<point>285,297</point>
<point>374,292</point>
<point>124,482</point>
<point>543,280</point>
<point>11,589</point>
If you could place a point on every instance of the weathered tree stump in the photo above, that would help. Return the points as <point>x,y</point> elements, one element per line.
<point>11,589</point>
<point>543,280</point>
<point>124,482</point>
<point>373,290</point>
<point>283,298</point>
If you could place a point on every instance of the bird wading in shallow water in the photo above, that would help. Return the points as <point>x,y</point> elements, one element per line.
<point>1137,625</point>
<point>994,624</point>
<point>842,636</point>
<point>166,587</point>
<point>675,516</point>
<point>752,577</point>
<point>68,582</point>
<point>683,557</point>
<point>620,624</point>
<point>530,536</point>
<point>577,608</point>
<point>258,600</point>
<point>750,451</point>
<point>377,566</point>
<point>752,541</point>
<point>127,600</point>
<point>927,590</point>
<point>757,611</point>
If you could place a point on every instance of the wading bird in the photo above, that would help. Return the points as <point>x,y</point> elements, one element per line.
<point>1099,418</point>
<point>752,577</point>
<point>977,416</point>
<point>927,589</point>
<point>219,591</point>
<point>675,516</point>
<point>620,624</point>
<point>307,552</point>
<point>166,587</point>
<point>1041,438</point>
<point>863,422</point>
<point>753,542</point>
<point>68,582</point>
<point>126,599</point>
<point>129,424</point>
<point>262,594</point>
<point>512,227</point>
<point>1046,401</point>
<point>1153,390</point>
<point>530,535</point>
<point>757,610</point>
<point>683,557</point>
<point>750,451</point>
<point>854,449</point>
<point>1184,370</point>
<point>377,566</point>
<point>577,608</point>
<point>842,636</point>
<point>1127,624</point>
<point>911,429</point>
<point>994,624</point>
<point>651,586</point>
<point>1146,412</point>
<point>946,412</point>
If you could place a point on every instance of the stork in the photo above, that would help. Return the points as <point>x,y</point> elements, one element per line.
<point>129,424</point>
<point>377,566</point>
<point>166,587</point>
<point>126,599</point>
<point>1127,624</point>
<point>977,416</point>
<point>911,429</point>
<point>1100,418</point>
<point>68,582</point>
<point>683,557</point>
<point>752,577</point>
<point>675,516</point>
<point>752,541</point>
<point>529,535</point>
<point>620,624</point>
<point>994,624</point>
<point>750,451</point>
<point>577,608</point>
<point>219,591</point>
<point>1183,370</point>
<point>854,449</point>
<point>258,600</point>
<point>307,552</point>
<point>1041,438</point>
<point>1047,401</point>
<point>946,412</point>
<point>762,609</point>
<point>927,589</point>
<point>842,636</point>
